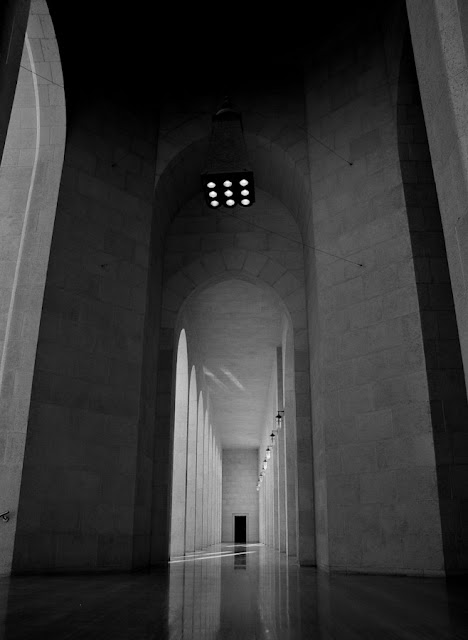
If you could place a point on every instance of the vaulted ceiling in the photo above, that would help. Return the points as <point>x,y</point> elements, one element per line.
<point>238,327</point>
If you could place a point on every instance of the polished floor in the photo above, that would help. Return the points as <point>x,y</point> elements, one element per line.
<point>236,593</point>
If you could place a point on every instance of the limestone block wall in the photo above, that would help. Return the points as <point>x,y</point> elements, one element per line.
<point>376,496</point>
<point>240,472</point>
<point>82,450</point>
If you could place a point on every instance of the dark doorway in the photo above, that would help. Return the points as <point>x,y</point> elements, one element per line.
<point>240,529</point>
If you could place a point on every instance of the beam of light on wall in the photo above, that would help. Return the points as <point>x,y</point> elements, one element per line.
<point>216,380</point>
<point>221,555</point>
<point>233,379</point>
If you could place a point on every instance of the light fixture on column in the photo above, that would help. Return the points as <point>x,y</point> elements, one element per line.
<point>279,419</point>
<point>268,453</point>
<point>265,465</point>
<point>272,438</point>
<point>228,179</point>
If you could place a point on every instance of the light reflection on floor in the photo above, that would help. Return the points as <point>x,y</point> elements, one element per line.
<point>232,592</point>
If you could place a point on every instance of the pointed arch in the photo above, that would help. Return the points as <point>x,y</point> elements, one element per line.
<point>179,455</point>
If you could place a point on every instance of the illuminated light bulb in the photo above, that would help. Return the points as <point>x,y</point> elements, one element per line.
<point>230,203</point>
<point>243,182</point>
<point>214,203</point>
<point>245,192</point>
<point>227,183</point>
<point>211,185</point>
<point>245,202</point>
<point>212,194</point>
<point>228,193</point>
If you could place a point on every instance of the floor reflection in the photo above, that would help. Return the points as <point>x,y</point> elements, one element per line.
<point>240,559</point>
<point>232,592</point>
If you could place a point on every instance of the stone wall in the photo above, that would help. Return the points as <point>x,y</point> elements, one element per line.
<point>375,476</point>
<point>78,488</point>
<point>240,472</point>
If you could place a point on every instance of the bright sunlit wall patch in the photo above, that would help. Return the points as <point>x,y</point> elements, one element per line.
<point>228,179</point>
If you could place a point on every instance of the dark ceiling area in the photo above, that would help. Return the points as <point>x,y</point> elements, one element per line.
<point>138,52</point>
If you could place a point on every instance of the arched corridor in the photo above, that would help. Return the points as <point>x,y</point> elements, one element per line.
<point>234,319</point>
<point>235,334</point>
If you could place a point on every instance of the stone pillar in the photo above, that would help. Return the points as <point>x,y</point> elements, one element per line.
<point>191,466</point>
<point>282,493</point>
<point>439,32</point>
<point>281,457</point>
<point>220,497</point>
<point>220,487</point>
<point>439,39</point>
<point>261,515</point>
<point>205,481</point>
<point>271,505</point>
<point>265,496</point>
<point>199,489</point>
<point>211,485</point>
<point>291,454</point>
<point>273,469</point>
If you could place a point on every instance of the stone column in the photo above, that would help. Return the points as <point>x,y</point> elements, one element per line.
<point>205,482</point>
<point>199,489</point>
<point>283,521</point>
<point>191,466</point>
<point>211,486</point>
<point>273,469</point>
<point>208,500</point>
<point>291,455</point>
<point>439,40</point>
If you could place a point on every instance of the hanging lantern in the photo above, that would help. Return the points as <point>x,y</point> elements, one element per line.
<point>228,178</point>
<point>279,419</point>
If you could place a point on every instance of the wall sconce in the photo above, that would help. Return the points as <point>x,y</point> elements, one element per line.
<point>228,178</point>
<point>265,465</point>
<point>279,419</point>
<point>272,438</point>
<point>268,453</point>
